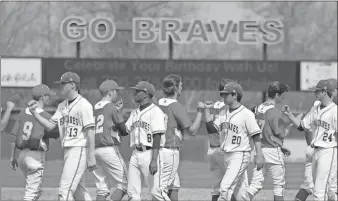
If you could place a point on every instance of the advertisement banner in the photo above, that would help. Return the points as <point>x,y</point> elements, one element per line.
<point>196,74</point>
<point>20,72</point>
<point>312,72</point>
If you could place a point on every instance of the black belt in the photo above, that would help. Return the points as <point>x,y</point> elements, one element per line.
<point>141,148</point>
<point>212,146</point>
<point>173,148</point>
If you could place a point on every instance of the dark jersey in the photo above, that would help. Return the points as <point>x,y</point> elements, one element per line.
<point>269,119</point>
<point>177,120</point>
<point>28,133</point>
<point>106,118</point>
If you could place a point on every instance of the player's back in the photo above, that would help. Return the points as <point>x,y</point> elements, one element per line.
<point>29,132</point>
<point>176,121</point>
<point>106,133</point>
<point>264,115</point>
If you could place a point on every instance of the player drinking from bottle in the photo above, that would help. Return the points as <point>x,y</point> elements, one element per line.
<point>109,129</point>
<point>322,121</point>
<point>33,140</point>
<point>239,129</point>
<point>75,119</point>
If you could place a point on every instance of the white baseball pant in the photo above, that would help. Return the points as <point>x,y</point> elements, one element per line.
<point>324,166</point>
<point>217,167</point>
<point>31,164</point>
<point>274,164</point>
<point>176,185</point>
<point>138,171</point>
<point>111,170</point>
<point>168,163</point>
<point>235,180</point>
<point>72,183</point>
<point>308,179</point>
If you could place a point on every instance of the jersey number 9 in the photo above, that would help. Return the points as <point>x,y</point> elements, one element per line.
<point>27,130</point>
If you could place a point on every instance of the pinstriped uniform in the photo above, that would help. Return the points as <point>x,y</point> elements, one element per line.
<point>323,123</point>
<point>236,129</point>
<point>72,119</point>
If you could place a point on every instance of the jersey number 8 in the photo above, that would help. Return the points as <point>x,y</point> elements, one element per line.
<point>27,130</point>
<point>149,137</point>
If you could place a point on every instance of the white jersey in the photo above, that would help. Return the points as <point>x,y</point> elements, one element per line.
<point>236,129</point>
<point>323,124</point>
<point>142,125</point>
<point>72,119</point>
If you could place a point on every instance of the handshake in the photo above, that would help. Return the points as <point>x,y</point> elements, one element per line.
<point>204,105</point>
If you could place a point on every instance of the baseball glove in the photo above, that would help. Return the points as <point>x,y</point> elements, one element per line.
<point>286,152</point>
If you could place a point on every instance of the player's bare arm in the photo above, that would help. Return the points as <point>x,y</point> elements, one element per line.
<point>7,115</point>
<point>117,116</point>
<point>90,132</point>
<point>155,151</point>
<point>259,159</point>
<point>197,122</point>
<point>43,121</point>
<point>294,120</point>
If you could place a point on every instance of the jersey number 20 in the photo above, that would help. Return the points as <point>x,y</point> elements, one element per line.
<point>236,140</point>
<point>27,130</point>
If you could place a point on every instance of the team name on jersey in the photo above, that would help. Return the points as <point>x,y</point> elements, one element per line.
<point>229,126</point>
<point>69,120</point>
<point>323,124</point>
<point>140,124</point>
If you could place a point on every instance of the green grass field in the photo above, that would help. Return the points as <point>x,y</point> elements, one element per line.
<point>195,181</point>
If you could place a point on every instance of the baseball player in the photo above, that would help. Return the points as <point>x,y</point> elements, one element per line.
<point>10,106</point>
<point>177,122</point>
<point>273,133</point>
<point>7,115</point>
<point>215,154</point>
<point>307,186</point>
<point>322,120</point>
<point>109,129</point>
<point>32,139</point>
<point>146,127</point>
<point>238,129</point>
<point>75,119</point>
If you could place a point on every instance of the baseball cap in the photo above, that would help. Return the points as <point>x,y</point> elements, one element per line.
<point>69,77</point>
<point>145,86</point>
<point>325,85</point>
<point>333,82</point>
<point>278,87</point>
<point>232,87</point>
<point>109,85</point>
<point>41,90</point>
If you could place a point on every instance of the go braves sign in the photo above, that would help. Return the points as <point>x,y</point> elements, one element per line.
<point>149,30</point>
